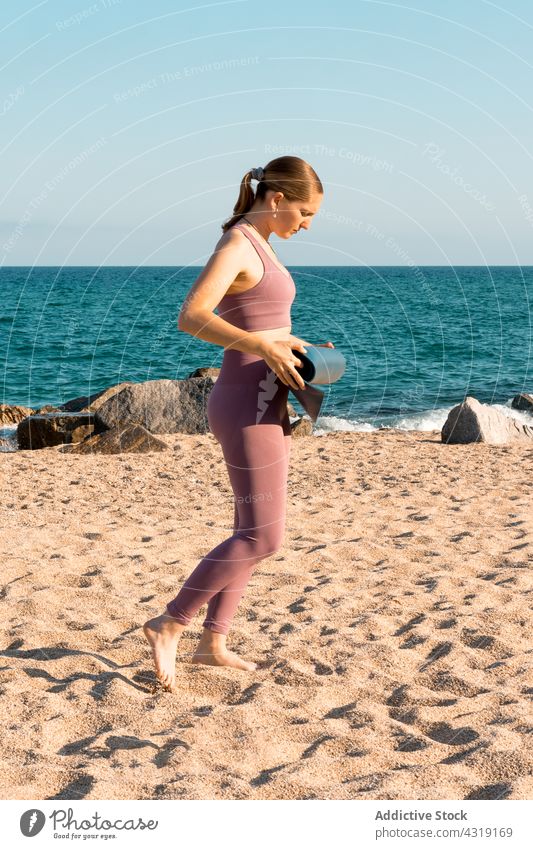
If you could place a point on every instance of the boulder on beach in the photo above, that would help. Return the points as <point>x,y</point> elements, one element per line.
<point>48,408</point>
<point>161,406</point>
<point>47,429</point>
<point>523,401</point>
<point>11,414</point>
<point>205,371</point>
<point>472,421</point>
<point>131,438</point>
<point>85,403</point>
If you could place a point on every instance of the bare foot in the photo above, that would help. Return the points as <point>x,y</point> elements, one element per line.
<point>212,651</point>
<point>163,633</point>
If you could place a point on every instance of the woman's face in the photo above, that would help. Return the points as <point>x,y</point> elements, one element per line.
<point>294,215</point>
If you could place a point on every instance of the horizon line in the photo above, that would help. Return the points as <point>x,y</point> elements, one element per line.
<point>373,265</point>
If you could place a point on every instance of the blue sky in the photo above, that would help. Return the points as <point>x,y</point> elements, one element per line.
<point>127,127</point>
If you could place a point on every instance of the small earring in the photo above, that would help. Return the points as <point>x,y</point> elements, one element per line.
<point>275,214</point>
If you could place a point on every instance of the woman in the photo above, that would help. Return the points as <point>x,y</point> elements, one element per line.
<point>247,407</point>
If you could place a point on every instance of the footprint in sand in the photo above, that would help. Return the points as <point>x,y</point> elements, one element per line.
<point>491,791</point>
<point>297,606</point>
<point>446,623</point>
<point>473,640</point>
<point>78,788</point>
<point>342,711</point>
<point>408,743</point>
<point>446,681</point>
<point>429,583</point>
<point>459,537</point>
<point>441,732</point>
<point>366,783</point>
<point>79,626</point>
<point>266,775</point>
<point>407,715</point>
<point>307,753</point>
<point>203,710</point>
<point>415,620</point>
<point>412,641</point>
<point>438,651</point>
<point>247,695</point>
<point>322,668</point>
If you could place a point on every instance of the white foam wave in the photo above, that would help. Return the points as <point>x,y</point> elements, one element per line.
<point>424,421</point>
<point>8,438</point>
<point>329,424</point>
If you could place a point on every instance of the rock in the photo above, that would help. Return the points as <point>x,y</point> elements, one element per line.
<point>42,431</point>
<point>161,406</point>
<point>48,408</point>
<point>302,427</point>
<point>472,421</point>
<point>523,401</point>
<point>205,371</point>
<point>131,438</point>
<point>13,413</point>
<point>86,403</point>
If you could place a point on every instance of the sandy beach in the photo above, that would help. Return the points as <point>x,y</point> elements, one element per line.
<point>392,631</point>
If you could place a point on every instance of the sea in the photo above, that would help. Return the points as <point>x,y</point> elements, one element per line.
<point>417,340</point>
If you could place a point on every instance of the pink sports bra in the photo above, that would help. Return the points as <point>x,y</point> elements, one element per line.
<point>265,305</point>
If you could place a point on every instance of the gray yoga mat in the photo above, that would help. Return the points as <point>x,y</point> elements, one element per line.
<point>319,366</point>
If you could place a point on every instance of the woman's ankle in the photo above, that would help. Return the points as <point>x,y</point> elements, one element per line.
<point>177,621</point>
<point>213,638</point>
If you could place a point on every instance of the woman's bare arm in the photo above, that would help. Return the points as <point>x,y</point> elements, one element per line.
<point>196,315</point>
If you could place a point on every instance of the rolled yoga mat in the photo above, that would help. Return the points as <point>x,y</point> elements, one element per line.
<point>319,365</point>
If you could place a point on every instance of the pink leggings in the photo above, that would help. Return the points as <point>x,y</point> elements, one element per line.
<point>247,413</point>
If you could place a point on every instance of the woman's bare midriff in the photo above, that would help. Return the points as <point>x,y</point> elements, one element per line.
<point>274,333</point>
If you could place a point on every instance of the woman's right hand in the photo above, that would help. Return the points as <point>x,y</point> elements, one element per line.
<point>279,357</point>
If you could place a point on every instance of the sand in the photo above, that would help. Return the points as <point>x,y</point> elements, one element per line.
<point>392,630</point>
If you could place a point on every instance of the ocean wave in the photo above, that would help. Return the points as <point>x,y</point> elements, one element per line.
<point>425,420</point>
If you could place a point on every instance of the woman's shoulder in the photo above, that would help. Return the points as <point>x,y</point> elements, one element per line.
<point>233,238</point>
